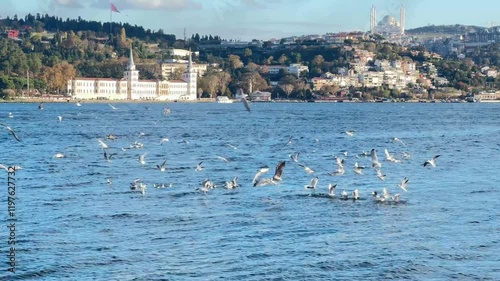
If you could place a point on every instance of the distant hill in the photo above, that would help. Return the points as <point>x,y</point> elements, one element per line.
<point>444,29</point>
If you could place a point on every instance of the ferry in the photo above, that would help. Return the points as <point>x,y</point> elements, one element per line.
<point>223,99</point>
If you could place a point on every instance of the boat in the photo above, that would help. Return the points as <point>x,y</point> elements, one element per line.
<point>223,99</point>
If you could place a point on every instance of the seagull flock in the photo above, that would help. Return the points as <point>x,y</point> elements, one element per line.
<point>260,180</point>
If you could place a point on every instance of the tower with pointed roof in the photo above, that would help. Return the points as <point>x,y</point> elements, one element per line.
<point>131,75</point>
<point>190,77</point>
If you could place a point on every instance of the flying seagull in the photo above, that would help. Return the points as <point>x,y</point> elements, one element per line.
<point>307,169</point>
<point>313,184</point>
<point>398,140</point>
<point>331,189</point>
<point>112,107</point>
<point>279,171</point>
<point>199,167</point>
<point>260,172</point>
<point>102,144</point>
<point>375,162</point>
<point>245,103</point>
<point>431,162</point>
<point>162,167</point>
<point>142,159</point>
<point>403,184</point>
<point>107,157</point>
<point>11,131</point>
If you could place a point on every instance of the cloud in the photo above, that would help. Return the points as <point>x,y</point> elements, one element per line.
<point>158,4</point>
<point>169,5</point>
<point>74,4</point>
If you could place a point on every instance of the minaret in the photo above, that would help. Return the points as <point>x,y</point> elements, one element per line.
<point>190,76</point>
<point>373,19</point>
<point>402,13</point>
<point>131,75</point>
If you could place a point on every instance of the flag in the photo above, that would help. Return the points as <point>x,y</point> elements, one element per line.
<point>114,9</point>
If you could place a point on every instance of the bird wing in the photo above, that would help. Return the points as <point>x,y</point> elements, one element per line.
<point>373,154</point>
<point>314,182</point>
<point>279,170</point>
<point>245,103</point>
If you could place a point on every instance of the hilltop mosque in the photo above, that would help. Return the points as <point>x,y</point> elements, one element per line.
<point>131,88</point>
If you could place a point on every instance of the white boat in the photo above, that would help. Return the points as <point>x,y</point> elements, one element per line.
<point>223,99</point>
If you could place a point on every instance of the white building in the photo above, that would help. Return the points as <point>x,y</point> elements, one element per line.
<point>131,88</point>
<point>169,68</point>
<point>182,53</point>
<point>295,69</point>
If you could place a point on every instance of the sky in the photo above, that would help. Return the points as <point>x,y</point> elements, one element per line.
<point>261,19</point>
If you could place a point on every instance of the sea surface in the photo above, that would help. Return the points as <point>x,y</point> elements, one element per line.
<point>73,225</point>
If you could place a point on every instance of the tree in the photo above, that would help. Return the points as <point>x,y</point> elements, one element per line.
<point>235,62</point>
<point>223,79</point>
<point>329,89</point>
<point>287,88</point>
<point>283,59</point>
<point>57,76</point>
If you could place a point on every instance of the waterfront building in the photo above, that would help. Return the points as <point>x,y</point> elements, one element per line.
<point>131,88</point>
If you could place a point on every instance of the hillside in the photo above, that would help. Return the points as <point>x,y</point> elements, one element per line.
<point>456,29</point>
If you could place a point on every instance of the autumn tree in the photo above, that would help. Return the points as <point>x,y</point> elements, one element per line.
<point>287,88</point>
<point>235,62</point>
<point>57,76</point>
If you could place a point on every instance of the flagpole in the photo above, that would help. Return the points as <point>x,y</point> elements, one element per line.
<point>110,20</point>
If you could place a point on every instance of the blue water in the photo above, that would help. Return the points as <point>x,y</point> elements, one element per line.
<point>72,225</point>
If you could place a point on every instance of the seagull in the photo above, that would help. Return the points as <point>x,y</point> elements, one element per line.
<point>295,157</point>
<point>112,107</point>
<point>350,133</point>
<point>380,175</point>
<point>206,185</point>
<point>396,197</point>
<point>385,193</point>
<point>331,189</point>
<point>289,141</point>
<point>398,140</point>
<point>78,104</point>
<point>264,182</point>
<point>199,167</point>
<point>107,157</point>
<point>232,146</point>
<point>355,194</point>
<point>102,144</point>
<point>358,169</point>
<point>11,115</point>
<point>375,162</point>
<point>163,140</point>
<point>364,154</point>
<point>344,194</point>
<point>40,106</point>
<point>260,172</point>
<point>403,184</point>
<point>389,157</point>
<point>432,162</point>
<point>11,131</point>
<point>142,159</point>
<point>109,181</point>
<point>279,171</point>
<point>162,167</point>
<point>59,155</point>
<point>245,103</point>
<point>307,169</point>
<point>222,158</point>
<point>232,184</point>
<point>59,118</point>
<point>313,184</point>
<point>377,197</point>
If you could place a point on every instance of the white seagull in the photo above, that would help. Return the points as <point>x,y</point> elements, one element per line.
<point>358,169</point>
<point>355,194</point>
<point>260,172</point>
<point>102,144</point>
<point>199,167</point>
<point>163,140</point>
<point>403,184</point>
<point>142,159</point>
<point>375,162</point>
<point>350,133</point>
<point>398,140</point>
<point>313,184</point>
<point>59,118</point>
<point>380,175</point>
<point>162,167</point>
<point>390,157</point>
<point>11,131</point>
<point>112,107</point>
<point>331,189</point>
<point>431,162</point>
<point>295,157</point>
<point>307,169</point>
<point>58,155</point>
